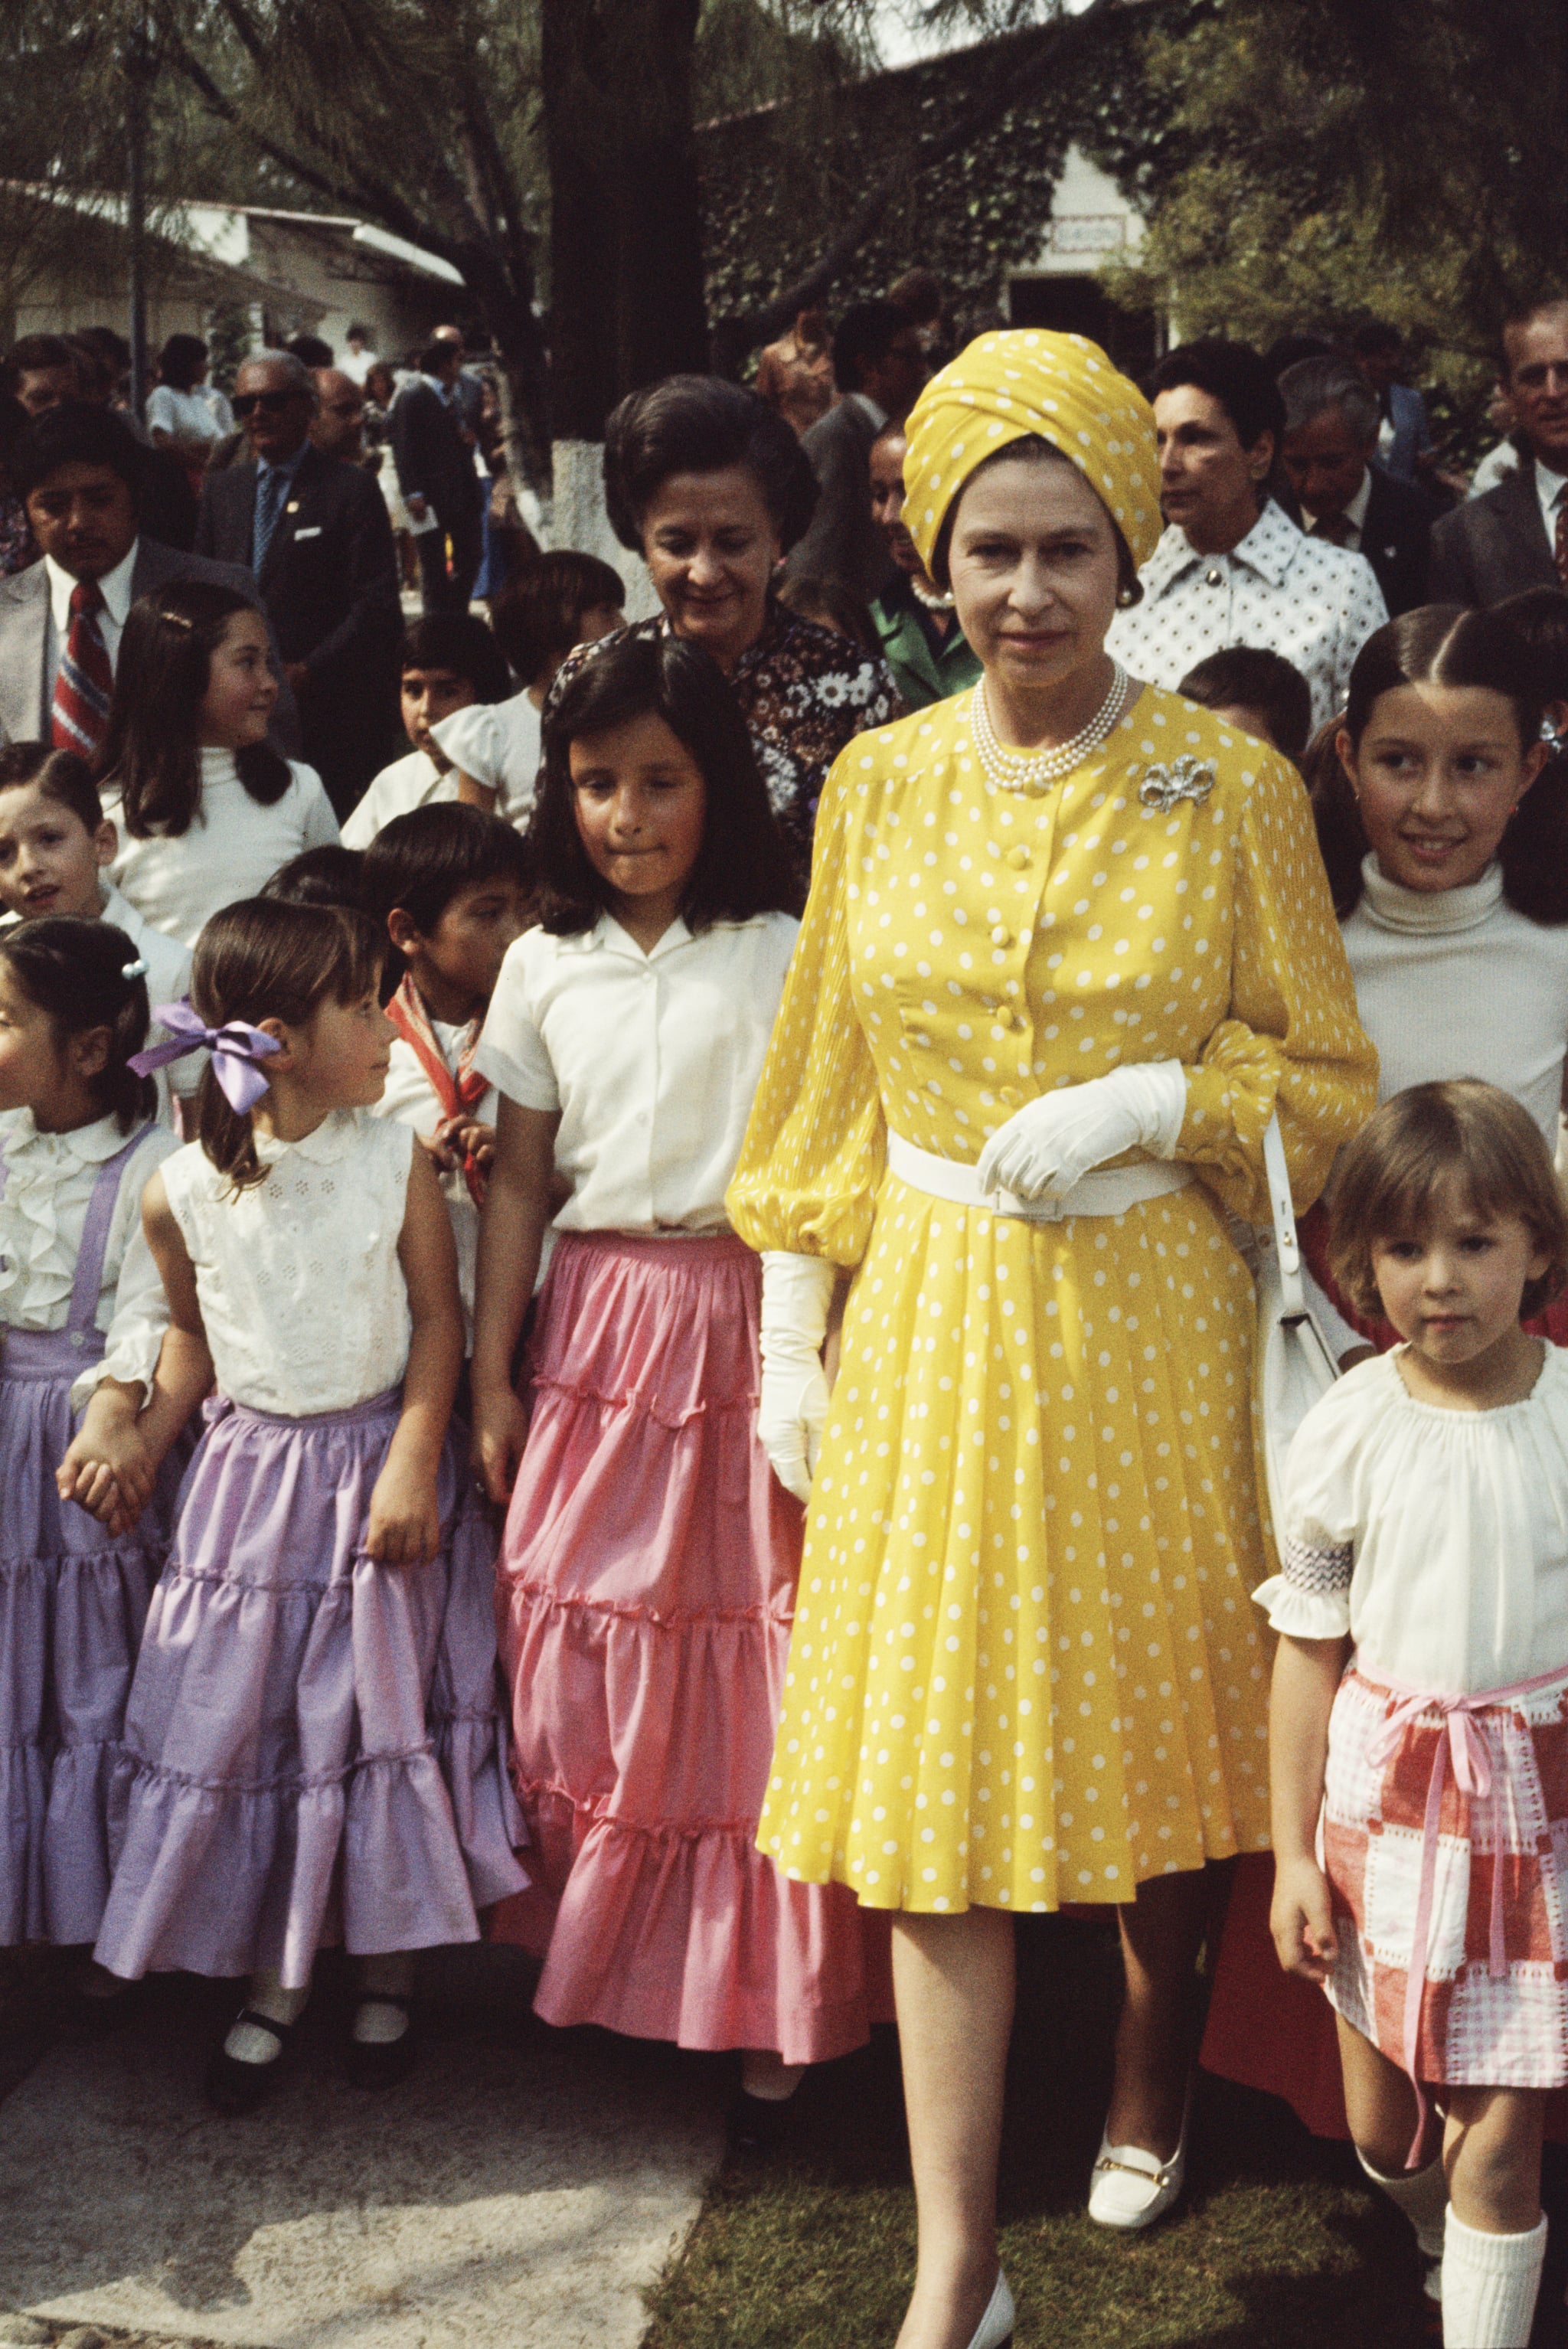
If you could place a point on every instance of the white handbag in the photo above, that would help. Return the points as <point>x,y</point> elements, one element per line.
<point>1295,1365</point>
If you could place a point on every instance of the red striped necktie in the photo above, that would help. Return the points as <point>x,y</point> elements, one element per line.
<point>84,685</point>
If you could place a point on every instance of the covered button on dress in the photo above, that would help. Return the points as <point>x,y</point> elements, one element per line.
<point>1024,1666</point>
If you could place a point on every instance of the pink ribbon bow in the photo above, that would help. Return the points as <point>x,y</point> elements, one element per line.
<point>1462,1742</point>
<point>237,1049</point>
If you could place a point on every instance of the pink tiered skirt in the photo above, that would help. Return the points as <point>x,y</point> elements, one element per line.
<point>646,1594</point>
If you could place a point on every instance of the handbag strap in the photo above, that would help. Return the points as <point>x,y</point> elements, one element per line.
<point>1287,1248</point>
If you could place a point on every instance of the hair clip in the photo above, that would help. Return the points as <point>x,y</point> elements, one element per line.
<point>178,620</point>
<point>137,969</point>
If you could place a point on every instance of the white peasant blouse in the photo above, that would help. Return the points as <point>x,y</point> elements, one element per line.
<point>1438,1539</point>
<point>48,1188</point>
<point>302,1294</point>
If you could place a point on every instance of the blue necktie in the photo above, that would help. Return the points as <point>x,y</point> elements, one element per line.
<point>272,488</point>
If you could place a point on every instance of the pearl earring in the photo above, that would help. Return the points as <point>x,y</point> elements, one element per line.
<point>1125,597</point>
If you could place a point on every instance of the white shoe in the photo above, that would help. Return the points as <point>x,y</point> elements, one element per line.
<point>1130,2189</point>
<point>995,2330</point>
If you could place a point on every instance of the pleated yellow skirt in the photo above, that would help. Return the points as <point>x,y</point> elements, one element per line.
<point>1025,1668</point>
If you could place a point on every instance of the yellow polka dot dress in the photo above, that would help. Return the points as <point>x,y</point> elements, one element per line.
<point>1025,1667</point>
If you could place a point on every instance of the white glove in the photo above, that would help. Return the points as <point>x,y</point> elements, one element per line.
<point>1045,1147</point>
<point>792,1406</point>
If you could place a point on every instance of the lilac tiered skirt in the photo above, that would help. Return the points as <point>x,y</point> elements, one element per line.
<point>647,1594</point>
<point>313,1743</point>
<point>73,1601</point>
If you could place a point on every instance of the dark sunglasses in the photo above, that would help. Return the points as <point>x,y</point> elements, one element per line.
<point>272,403</point>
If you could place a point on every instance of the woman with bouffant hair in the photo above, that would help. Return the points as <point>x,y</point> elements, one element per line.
<point>1418,1724</point>
<point>312,1747</point>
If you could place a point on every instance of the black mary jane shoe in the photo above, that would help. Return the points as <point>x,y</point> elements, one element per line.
<point>377,2063</point>
<point>757,2125</point>
<point>233,2088</point>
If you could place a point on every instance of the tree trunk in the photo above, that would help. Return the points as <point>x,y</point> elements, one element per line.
<point>625,246</point>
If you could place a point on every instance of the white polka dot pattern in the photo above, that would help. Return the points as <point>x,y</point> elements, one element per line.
<point>1023,1668</point>
<point>1278,590</point>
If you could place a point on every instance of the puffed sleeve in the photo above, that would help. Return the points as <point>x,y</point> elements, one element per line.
<point>816,1145</point>
<point>1319,1528</point>
<point>511,1051</point>
<point>1291,1040</point>
<point>133,1310</point>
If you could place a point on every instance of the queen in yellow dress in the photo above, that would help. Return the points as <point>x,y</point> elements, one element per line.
<point>1068,946</point>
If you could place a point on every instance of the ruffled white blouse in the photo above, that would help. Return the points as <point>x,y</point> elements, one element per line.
<point>499,744</point>
<point>301,1295</point>
<point>50,1183</point>
<point>1438,1539</point>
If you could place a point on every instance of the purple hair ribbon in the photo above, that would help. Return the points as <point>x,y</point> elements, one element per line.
<point>237,1050</point>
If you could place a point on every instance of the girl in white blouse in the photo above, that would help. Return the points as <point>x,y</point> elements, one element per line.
<point>77,1145</point>
<point>650,1557</point>
<point>1420,1797</point>
<point>312,1746</point>
<point>206,809</point>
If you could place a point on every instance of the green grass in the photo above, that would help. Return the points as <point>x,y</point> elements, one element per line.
<point>1278,2245</point>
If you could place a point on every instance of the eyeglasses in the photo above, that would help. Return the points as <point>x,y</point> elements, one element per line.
<point>271,403</point>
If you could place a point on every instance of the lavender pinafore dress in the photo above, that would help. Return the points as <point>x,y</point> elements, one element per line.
<point>73,1601</point>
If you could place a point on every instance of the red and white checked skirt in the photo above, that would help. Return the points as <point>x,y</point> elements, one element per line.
<point>1479,2027</point>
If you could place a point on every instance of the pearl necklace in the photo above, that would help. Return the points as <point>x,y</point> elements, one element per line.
<point>1034,771</point>
<point>932,597</point>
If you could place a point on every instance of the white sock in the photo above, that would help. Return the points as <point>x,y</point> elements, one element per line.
<point>1423,2196</point>
<point>377,2022</point>
<point>247,2042</point>
<point>1490,2283</point>
<point>765,2076</point>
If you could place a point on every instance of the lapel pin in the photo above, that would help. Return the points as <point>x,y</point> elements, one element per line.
<point>293,506</point>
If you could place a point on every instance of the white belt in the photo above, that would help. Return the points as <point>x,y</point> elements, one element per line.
<point>1109,1191</point>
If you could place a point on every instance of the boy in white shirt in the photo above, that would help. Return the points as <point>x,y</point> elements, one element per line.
<point>450,884</point>
<point>56,847</point>
<point>449,662</point>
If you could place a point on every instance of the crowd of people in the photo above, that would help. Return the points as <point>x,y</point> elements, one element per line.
<point>633,1330</point>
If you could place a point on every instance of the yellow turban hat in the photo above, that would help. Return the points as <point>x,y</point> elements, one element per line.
<point>1029,383</point>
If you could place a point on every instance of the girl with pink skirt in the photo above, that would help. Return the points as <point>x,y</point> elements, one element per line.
<point>78,1146</point>
<point>313,1747</point>
<point>649,1561</point>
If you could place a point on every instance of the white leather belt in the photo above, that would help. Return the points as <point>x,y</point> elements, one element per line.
<point>1108,1191</point>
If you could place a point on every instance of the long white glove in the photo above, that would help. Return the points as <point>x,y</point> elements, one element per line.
<point>1045,1147</point>
<point>792,1406</point>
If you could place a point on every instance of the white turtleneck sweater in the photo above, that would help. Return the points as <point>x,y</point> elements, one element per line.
<point>1454,983</point>
<point>234,845</point>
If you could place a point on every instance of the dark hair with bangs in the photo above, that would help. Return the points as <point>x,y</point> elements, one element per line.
<point>74,970</point>
<point>460,643</point>
<point>151,754</point>
<point>538,616</point>
<point>1444,644</point>
<point>1033,449</point>
<point>703,424</point>
<point>264,959</point>
<point>1387,1182</point>
<point>1249,677</point>
<point>743,866</point>
<point>330,874</point>
<point>419,862</point>
<point>60,775</point>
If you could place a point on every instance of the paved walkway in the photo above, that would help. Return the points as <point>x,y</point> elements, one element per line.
<point>524,2188</point>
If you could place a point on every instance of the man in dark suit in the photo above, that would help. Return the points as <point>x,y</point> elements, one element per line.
<point>1516,536</point>
<point>1339,492</point>
<point>80,471</point>
<point>315,532</point>
<point>879,367</point>
<point>436,474</point>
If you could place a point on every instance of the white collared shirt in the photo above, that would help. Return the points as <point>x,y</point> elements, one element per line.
<point>1314,603</point>
<point>1550,488</point>
<point>413,782</point>
<point>499,744</point>
<point>1354,514</point>
<point>115,587</point>
<point>50,1184</point>
<point>652,1061</point>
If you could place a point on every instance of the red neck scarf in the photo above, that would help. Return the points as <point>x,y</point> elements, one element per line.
<point>458,1096</point>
